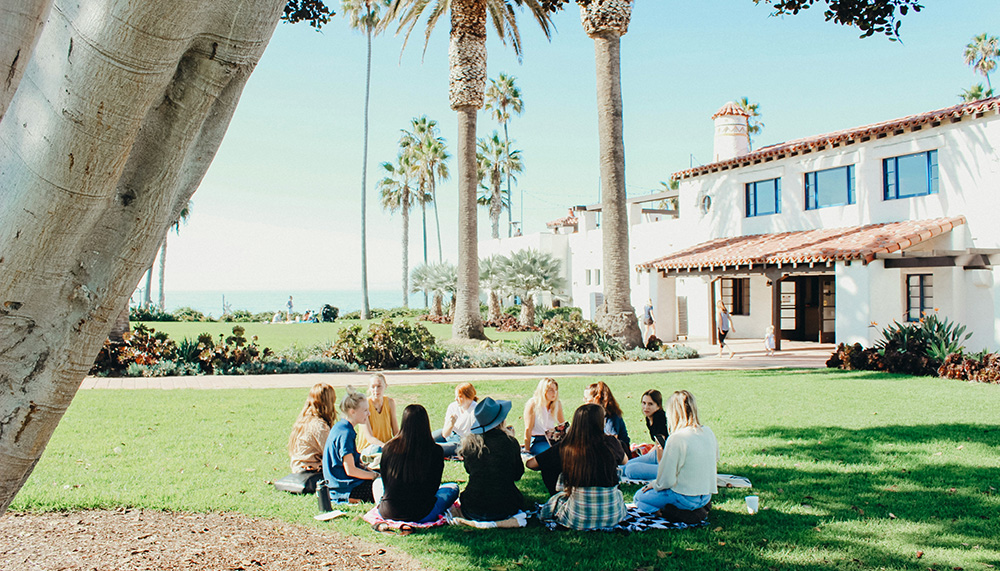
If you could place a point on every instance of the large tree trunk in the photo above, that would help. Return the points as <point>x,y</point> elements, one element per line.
<point>436,309</point>
<point>22,23</point>
<point>437,220</point>
<point>510,201</point>
<point>496,204</point>
<point>527,318</point>
<point>122,109</point>
<point>406,248</point>
<point>495,308</point>
<point>467,59</point>
<point>605,21</point>
<point>365,308</point>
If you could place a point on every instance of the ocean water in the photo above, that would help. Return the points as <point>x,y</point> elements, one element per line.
<point>210,302</point>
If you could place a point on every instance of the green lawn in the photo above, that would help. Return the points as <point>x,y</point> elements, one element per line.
<point>281,336</point>
<point>854,470</point>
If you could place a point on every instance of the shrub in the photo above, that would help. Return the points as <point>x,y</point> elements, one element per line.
<point>546,313</point>
<point>239,316</point>
<point>481,357</point>
<point>299,353</point>
<point>142,345</point>
<point>570,358</point>
<point>532,346</point>
<point>387,345</point>
<point>189,314</point>
<point>579,336</point>
<point>508,323</point>
<point>679,352</point>
<point>326,365</point>
<point>162,369</point>
<point>329,313</point>
<point>446,319</point>
<point>149,314</point>
<point>512,310</point>
<point>230,353</point>
<point>643,354</point>
<point>943,337</point>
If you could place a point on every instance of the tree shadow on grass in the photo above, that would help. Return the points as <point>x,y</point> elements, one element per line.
<point>834,497</point>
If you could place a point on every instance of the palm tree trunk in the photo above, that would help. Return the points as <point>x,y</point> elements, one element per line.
<point>406,248</point>
<point>618,316</point>
<point>163,265</point>
<point>423,223</point>
<point>496,206</point>
<point>365,308</point>
<point>510,204</point>
<point>436,310</point>
<point>437,220</point>
<point>527,318</point>
<point>495,309</point>
<point>467,61</point>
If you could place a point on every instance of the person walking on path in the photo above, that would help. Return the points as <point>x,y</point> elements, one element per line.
<point>649,325</point>
<point>725,324</point>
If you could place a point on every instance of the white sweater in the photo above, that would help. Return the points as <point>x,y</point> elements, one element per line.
<point>688,465</point>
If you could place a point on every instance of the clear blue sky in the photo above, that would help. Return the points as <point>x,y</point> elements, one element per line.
<point>280,206</point>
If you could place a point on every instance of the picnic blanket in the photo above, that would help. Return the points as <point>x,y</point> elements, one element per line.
<point>636,520</point>
<point>375,518</point>
<point>520,519</point>
<point>721,480</point>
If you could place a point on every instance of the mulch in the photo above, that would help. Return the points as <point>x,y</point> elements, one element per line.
<point>153,540</point>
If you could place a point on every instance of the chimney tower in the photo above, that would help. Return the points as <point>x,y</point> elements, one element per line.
<point>731,137</point>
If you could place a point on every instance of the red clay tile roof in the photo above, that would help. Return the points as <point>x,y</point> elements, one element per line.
<point>848,136</point>
<point>563,222</point>
<point>730,108</point>
<point>823,245</point>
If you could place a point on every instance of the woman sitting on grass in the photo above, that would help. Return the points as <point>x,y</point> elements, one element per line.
<point>686,474</point>
<point>644,467</point>
<point>305,445</point>
<point>614,424</point>
<point>346,476</point>
<point>458,419</point>
<point>591,499</point>
<point>542,412</point>
<point>550,461</point>
<point>492,459</point>
<point>381,424</point>
<point>410,488</point>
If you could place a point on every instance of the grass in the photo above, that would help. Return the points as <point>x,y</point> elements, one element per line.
<point>854,471</point>
<point>281,336</point>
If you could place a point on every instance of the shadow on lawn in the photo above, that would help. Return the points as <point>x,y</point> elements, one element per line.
<point>865,498</point>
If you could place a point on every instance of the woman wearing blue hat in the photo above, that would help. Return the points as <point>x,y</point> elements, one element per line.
<point>492,459</point>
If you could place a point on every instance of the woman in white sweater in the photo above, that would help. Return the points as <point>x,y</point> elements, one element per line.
<point>685,476</point>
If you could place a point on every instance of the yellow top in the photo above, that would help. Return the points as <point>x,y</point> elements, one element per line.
<point>380,423</point>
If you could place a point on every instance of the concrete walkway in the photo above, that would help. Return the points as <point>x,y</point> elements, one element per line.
<point>749,355</point>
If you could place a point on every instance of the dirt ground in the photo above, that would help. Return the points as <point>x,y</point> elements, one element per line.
<point>152,540</point>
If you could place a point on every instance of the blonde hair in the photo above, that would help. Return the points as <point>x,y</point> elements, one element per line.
<point>472,446</point>
<point>721,305</point>
<point>467,391</point>
<point>682,411</point>
<point>380,377</point>
<point>351,400</point>
<point>322,404</point>
<point>539,397</point>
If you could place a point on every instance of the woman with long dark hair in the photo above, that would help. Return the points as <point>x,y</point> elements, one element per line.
<point>410,488</point>
<point>614,424</point>
<point>591,498</point>
<point>644,467</point>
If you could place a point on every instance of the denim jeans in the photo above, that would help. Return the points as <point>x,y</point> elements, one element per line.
<point>652,501</point>
<point>446,496</point>
<point>449,443</point>
<point>539,444</point>
<point>642,467</point>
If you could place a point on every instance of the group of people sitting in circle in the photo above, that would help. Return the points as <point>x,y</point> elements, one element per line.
<point>581,466</point>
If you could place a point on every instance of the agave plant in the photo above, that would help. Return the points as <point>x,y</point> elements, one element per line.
<point>943,337</point>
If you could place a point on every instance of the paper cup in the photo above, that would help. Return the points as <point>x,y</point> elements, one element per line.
<point>753,503</point>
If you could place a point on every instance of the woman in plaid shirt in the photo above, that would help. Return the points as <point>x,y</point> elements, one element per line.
<point>591,498</point>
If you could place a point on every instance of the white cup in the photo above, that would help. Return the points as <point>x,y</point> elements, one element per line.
<point>753,502</point>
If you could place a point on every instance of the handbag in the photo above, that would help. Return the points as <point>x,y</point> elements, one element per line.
<point>300,483</point>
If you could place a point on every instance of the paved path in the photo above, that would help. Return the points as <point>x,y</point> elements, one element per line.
<point>749,355</point>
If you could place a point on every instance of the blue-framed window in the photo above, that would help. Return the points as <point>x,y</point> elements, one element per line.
<point>919,295</point>
<point>763,197</point>
<point>910,175</point>
<point>830,187</point>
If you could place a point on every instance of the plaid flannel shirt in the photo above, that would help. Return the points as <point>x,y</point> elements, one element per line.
<point>586,508</point>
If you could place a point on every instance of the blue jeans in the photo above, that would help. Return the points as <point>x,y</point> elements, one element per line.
<point>446,496</point>
<point>652,501</point>
<point>449,443</point>
<point>539,444</point>
<point>642,467</point>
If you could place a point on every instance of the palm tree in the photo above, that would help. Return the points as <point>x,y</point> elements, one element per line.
<point>754,126</point>
<point>496,160</point>
<point>528,272</point>
<point>364,15</point>
<point>397,195</point>
<point>975,93</point>
<point>982,53</point>
<point>467,60</point>
<point>435,280</point>
<point>176,227</point>
<point>430,155</point>
<point>493,280</point>
<point>606,21</point>
<point>502,99</point>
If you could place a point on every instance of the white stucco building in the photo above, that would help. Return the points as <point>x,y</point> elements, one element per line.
<point>821,236</point>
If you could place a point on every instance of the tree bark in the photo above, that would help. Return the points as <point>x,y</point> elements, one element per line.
<point>527,318</point>
<point>496,204</point>
<point>163,266</point>
<point>406,247</point>
<point>147,295</point>
<point>108,136</point>
<point>605,22</point>
<point>495,309</point>
<point>365,308</point>
<point>436,309</point>
<point>467,84</point>
<point>23,21</point>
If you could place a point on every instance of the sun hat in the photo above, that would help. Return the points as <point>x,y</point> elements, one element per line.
<point>489,414</point>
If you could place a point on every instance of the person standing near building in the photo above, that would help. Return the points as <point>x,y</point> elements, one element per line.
<point>725,325</point>
<point>649,326</point>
